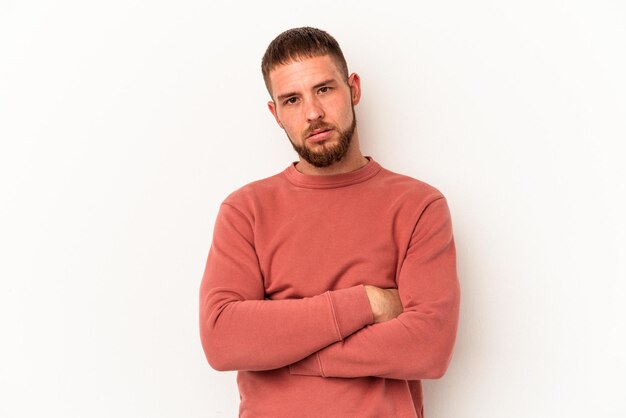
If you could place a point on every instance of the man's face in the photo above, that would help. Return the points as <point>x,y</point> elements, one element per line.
<point>315,106</point>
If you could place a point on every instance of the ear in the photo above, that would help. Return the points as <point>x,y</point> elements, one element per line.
<point>354,81</point>
<point>272,107</point>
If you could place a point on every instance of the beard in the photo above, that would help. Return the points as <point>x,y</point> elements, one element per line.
<point>326,154</point>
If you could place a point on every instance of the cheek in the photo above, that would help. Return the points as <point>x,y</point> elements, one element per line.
<point>288,124</point>
<point>346,112</point>
<point>292,120</point>
<point>343,106</point>
<point>291,126</point>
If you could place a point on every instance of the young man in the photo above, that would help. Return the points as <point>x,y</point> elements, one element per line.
<point>331,287</point>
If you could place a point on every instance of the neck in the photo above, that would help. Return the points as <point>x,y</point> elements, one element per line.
<point>353,160</point>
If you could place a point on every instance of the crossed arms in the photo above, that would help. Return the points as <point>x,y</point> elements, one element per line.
<point>353,332</point>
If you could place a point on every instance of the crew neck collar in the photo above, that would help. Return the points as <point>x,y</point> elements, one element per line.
<point>333,180</point>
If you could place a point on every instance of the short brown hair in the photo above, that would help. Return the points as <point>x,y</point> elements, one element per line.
<point>298,43</point>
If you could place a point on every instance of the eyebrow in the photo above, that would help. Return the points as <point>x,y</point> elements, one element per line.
<point>318,85</point>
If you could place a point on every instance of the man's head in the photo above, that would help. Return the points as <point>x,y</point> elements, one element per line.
<point>298,44</point>
<point>313,97</point>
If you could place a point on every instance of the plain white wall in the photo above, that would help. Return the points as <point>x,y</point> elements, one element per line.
<point>124,124</point>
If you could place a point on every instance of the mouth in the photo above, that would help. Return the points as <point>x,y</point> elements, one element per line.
<point>319,135</point>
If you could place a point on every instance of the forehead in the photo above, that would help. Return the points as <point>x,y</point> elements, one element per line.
<point>303,74</point>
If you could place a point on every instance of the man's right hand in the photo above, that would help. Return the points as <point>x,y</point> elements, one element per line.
<point>385,303</point>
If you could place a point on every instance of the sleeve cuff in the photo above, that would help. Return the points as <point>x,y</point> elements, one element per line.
<point>351,310</point>
<point>309,366</point>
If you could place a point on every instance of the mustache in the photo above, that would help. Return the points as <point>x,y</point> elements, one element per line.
<point>317,126</point>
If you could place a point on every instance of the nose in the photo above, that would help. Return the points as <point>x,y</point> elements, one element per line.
<point>314,110</point>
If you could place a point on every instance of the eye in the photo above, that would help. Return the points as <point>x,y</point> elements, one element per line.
<point>291,100</point>
<point>324,89</point>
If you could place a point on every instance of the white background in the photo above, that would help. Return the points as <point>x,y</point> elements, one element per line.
<point>124,124</point>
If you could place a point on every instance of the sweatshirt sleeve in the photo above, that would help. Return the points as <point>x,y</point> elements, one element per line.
<point>418,343</point>
<point>240,330</point>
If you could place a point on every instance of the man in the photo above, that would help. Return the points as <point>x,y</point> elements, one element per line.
<point>331,287</point>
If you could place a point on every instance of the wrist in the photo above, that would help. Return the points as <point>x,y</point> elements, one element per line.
<point>371,292</point>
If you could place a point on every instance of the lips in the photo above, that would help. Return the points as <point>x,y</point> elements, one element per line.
<point>319,135</point>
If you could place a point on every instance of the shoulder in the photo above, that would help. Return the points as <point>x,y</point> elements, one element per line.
<point>408,188</point>
<point>422,203</point>
<point>250,195</point>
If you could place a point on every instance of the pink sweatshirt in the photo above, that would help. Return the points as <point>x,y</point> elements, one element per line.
<point>282,298</point>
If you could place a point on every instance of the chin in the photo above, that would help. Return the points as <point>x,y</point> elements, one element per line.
<point>332,140</point>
